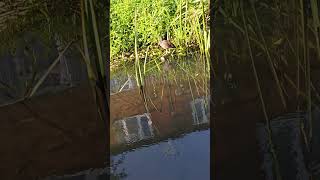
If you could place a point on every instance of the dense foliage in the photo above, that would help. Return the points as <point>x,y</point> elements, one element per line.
<point>180,20</point>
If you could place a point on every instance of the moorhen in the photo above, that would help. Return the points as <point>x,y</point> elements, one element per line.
<point>166,44</point>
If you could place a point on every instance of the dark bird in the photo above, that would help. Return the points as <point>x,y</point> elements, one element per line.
<point>166,44</point>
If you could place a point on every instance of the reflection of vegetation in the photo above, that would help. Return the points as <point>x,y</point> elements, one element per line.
<point>45,18</point>
<point>115,174</point>
<point>71,21</point>
<point>170,149</point>
<point>282,35</point>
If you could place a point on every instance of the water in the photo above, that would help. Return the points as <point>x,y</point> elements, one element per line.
<point>286,139</point>
<point>165,136</point>
<point>56,136</point>
<point>293,156</point>
<point>161,134</point>
<point>185,158</point>
<point>20,70</point>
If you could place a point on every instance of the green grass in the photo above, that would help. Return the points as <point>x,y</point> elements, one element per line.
<point>184,22</point>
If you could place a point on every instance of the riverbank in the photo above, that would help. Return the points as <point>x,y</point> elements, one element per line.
<point>141,24</point>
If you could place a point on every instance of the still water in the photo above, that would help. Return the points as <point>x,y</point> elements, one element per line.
<point>186,157</point>
<point>162,133</point>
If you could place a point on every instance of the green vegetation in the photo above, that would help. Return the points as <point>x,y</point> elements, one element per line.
<point>137,26</point>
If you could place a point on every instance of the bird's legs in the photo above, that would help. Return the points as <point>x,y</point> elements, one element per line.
<point>165,54</point>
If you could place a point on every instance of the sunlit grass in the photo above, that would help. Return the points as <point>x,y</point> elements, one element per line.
<point>138,25</point>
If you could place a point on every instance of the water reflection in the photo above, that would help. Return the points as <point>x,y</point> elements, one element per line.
<point>140,127</point>
<point>19,71</point>
<point>184,158</point>
<point>162,133</point>
<point>122,83</point>
<point>161,130</point>
<point>200,111</point>
<point>292,153</point>
<point>166,131</point>
<point>133,129</point>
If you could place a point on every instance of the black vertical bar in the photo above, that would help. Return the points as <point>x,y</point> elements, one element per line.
<point>234,151</point>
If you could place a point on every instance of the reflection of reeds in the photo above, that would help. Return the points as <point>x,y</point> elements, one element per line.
<point>268,33</point>
<point>49,21</point>
<point>268,55</point>
<point>276,163</point>
<point>34,88</point>
<point>10,91</point>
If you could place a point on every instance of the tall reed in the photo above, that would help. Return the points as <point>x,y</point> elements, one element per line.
<point>95,63</point>
<point>268,29</point>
